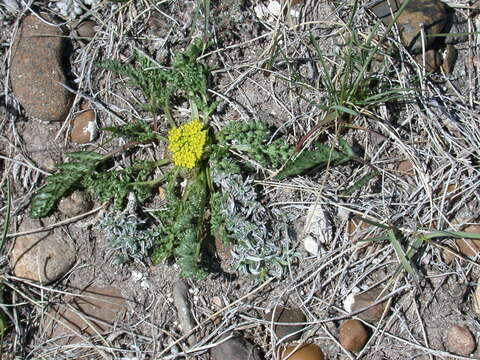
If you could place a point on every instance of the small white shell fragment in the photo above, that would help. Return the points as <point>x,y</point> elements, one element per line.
<point>274,8</point>
<point>261,11</point>
<point>350,299</point>
<point>317,224</point>
<point>348,302</point>
<point>311,245</point>
<point>136,275</point>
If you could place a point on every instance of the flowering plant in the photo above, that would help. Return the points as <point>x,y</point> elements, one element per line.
<point>187,142</point>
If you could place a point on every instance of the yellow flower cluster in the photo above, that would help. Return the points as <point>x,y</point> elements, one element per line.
<point>186,142</point>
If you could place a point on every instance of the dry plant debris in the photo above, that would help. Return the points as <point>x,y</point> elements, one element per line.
<point>307,111</point>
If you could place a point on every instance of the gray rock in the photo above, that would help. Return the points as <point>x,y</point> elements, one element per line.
<point>42,257</point>
<point>37,71</point>
<point>236,348</point>
<point>287,316</point>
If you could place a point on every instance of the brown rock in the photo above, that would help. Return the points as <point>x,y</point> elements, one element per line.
<point>433,61</point>
<point>358,230</point>
<point>460,340</point>
<point>353,335</point>
<point>84,127</point>
<point>288,316</point>
<point>94,309</point>
<point>367,298</point>
<point>236,348</point>
<point>37,72</point>
<point>42,257</point>
<point>406,167</point>
<point>431,13</point>
<point>469,247</point>
<point>303,352</point>
<point>75,204</point>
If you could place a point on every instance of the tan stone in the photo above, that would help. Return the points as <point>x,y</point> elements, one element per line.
<point>38,54</point>
<point>353,335</point>
<point>42,257</point>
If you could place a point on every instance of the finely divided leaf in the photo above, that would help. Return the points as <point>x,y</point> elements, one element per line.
<point>307,160</point>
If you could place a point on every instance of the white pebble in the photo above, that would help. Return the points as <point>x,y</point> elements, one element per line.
<point>311,245</point>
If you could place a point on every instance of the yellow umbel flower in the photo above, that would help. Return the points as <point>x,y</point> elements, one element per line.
<point>186,142</point>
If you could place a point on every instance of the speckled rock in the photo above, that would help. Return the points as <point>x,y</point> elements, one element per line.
<point>460,340</point>
<point>353,335</point>
<point>431,13</point>
<point>75,204</point>
<point>236,348</point>
<point>84,127</point>
<point>42,257</point>
<point>288,316</point>
<point>38,54</point>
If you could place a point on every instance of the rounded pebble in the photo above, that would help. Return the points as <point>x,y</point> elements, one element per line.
<point>460,340</point>
<point>353,335</point>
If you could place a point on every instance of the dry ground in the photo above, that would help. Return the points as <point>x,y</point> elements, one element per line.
<point>425,149</point>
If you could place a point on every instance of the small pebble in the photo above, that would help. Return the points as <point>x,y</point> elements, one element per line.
<point>84,127</point>
<point>460,340</point>
<point>304,352</point>
<point>353,335</point>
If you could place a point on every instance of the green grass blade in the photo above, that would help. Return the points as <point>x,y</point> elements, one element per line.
<point>402,256</point>
<point>360,183</point>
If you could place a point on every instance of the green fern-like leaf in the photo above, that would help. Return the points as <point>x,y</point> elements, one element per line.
<point>59,184</point>
<point>322,156</point>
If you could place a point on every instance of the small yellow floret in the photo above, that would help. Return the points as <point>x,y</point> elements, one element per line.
<point>186,142</point>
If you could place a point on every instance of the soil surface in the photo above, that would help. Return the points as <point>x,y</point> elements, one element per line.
<point>417,171</point>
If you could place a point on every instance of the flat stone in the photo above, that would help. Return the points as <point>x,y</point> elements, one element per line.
<point>38,55</point>
<point>94,309</point>
<point>367,298</point>
<point>43,257</point>
<point>288,316</point>
<point>353,335</point>
<point>236,348</point>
